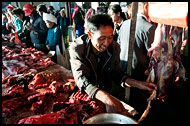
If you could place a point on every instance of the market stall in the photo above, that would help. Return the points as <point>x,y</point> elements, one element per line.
<point>36,90</point>
<point>33,85</point>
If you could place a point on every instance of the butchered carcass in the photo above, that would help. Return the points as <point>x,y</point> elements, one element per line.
<point>165,63</point>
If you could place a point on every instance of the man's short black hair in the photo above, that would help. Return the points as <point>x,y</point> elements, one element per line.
<point>18,11</point>
<point>97,20</point>
<point>42,8</point>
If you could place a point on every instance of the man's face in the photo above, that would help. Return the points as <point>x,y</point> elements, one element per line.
<point>101,38</point>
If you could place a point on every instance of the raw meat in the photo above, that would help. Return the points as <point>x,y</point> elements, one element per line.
<point>165,62</point>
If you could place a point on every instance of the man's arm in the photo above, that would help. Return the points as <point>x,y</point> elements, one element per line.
<point>140,84</point>
<point>80,68</point>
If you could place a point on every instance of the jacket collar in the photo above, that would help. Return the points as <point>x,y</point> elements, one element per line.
<point>139,14</point>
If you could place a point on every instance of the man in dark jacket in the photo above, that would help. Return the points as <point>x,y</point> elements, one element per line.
<point>38,29</point>
<point>95,63</point>
<point>144,36</point>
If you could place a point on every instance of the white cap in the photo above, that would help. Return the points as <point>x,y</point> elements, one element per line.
<point>49,17</point>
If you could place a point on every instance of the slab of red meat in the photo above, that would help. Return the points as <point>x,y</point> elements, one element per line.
<point>67,112</point>
<point>50,118</point>
<point>14,91</point>
<point>165,63</point>
<point>45,77</point>
<point>42,64</point>
<point>9,107</point>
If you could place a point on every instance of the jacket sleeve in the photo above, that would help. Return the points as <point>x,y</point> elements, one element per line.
<point>80,69</point>
<point>56,38</point>
<point>149,36</point>
<point>19,26</point>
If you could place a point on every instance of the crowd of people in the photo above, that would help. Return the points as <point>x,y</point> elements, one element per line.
<point>37,26</point>
<point>99,54</point>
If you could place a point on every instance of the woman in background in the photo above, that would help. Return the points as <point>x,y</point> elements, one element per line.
<point>118,18</point>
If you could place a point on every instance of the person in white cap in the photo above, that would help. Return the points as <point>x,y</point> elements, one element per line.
<point>54,34</point>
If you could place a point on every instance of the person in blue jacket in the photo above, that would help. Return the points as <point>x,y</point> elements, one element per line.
<point>54,34</point>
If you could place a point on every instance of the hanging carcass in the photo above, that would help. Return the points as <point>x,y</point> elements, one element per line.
<point>165,66</point>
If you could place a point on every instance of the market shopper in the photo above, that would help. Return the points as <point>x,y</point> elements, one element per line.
<point>144,36</point>
<point>118,18</point>
<point>63,23</point>
<point>95,63</point>
<point>54,34</point>
<point>37,28</point>
<point>78,20</point>
<point>18,20</point>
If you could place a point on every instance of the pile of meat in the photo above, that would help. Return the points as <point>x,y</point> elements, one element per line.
<point>44,86</point>
<point>165,67</point>
<point>15,62</point>
<point>79,108</point>
<point>27,84</point>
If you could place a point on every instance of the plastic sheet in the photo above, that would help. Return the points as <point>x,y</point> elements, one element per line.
<point>169,13</point>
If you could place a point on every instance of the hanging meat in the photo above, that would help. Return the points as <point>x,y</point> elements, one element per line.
<point>165,62</point>
<point>165,67</point>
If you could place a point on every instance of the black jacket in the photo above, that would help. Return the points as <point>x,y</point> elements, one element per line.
<point>89,74</point>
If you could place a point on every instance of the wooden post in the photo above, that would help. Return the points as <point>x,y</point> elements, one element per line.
<point>131,44</point>
<point>68,11</point>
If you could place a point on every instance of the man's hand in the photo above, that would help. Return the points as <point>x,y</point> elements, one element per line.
<point>140,84</point>
<point>113,105</point>
<point>30,27</point>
